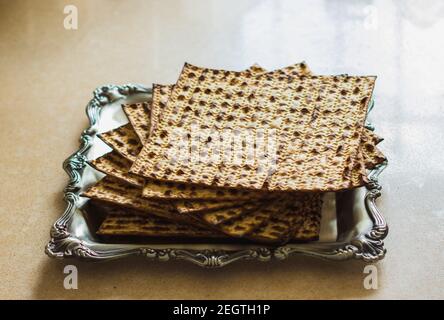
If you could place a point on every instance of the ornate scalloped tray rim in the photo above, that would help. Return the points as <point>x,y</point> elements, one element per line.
<point>367,246</point>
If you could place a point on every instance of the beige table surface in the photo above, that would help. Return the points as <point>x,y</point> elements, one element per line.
<point>47,75</point>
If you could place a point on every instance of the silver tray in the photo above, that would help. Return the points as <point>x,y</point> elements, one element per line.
<point>351,226</point>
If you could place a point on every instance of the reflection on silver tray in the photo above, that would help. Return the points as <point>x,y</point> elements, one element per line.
<point>351,227</point>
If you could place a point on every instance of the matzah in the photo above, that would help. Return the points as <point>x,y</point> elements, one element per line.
<point>161,94</point>
<point>114,191</point>
<point>216,217</point>
<point>227,197</point>
<point>193,207</point>
<point>307,227</point>
<point>172,190</point>
<point>299,219</point>
<point>126,222</point>
<point>304,123</point>
<point>139,116</point>
<point>276,220</point>
<point>246,224</point>
<point>123,140</point>
<point>371,154</point>
<point>116,165</point>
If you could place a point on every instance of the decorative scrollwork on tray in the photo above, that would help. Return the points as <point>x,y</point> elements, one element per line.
<point>62,243</point>
<point>207,258</point>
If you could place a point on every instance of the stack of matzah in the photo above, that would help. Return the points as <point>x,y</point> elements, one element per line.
<point>224,154</point>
